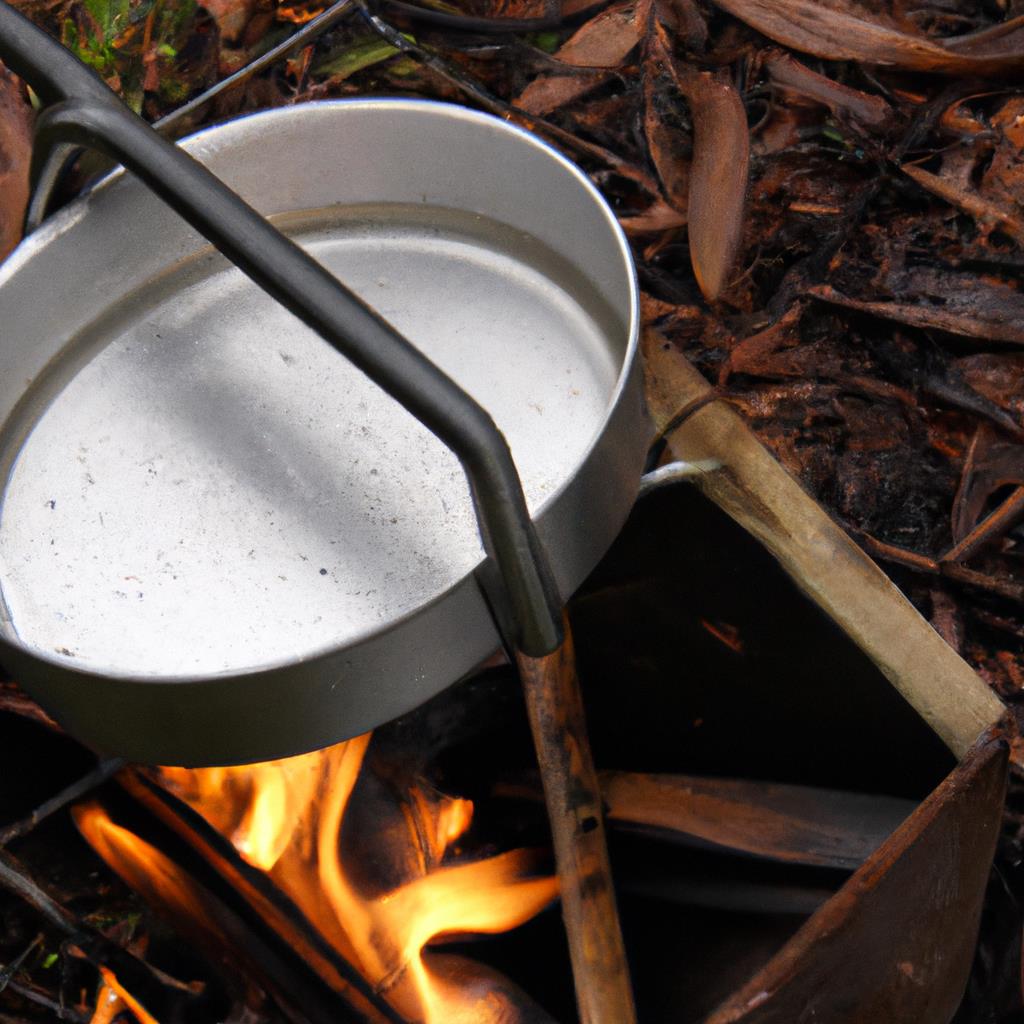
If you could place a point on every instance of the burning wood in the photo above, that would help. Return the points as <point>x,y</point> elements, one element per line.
<point>379,896</point>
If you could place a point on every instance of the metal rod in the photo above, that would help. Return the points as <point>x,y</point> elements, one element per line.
<point>305,35</point>
<point>83,111</point>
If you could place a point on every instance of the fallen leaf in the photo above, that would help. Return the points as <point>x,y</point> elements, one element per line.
<point>15,154</point>
<point>841,30</point>
<point>232,17</point>
<point>718,177</point>
<point>659,216</point>
<point>665,144</point>
<point>1002,41</point>
<point>690,24</point>
<point>749,354</point>
<point>356,56</point>
<point>999,376</point>
<point>516,9</point>
<point>604,42</point>
<point>549,92</point>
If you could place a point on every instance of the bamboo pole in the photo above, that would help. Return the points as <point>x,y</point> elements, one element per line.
<point>735,471</point>
<point>573,797</point>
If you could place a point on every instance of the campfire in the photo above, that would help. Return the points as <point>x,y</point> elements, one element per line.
<point>383,880</point>
<point>379,898</point>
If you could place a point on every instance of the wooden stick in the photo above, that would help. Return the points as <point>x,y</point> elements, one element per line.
<point>600,972</point>
<point>739,474</point>
<point>995,525</point>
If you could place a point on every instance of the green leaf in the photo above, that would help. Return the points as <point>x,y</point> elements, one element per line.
<point>546,41</point>
<point>50,960</point>
<point>357,56</point>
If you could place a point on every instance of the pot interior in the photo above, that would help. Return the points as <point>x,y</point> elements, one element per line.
<point>197,484</point>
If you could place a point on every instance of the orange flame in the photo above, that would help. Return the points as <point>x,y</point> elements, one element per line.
<point>286,818</point>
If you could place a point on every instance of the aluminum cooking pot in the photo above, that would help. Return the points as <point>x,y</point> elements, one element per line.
<point>219,540</point>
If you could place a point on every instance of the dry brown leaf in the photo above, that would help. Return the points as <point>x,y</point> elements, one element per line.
<point>516,9</point>
<point>871,111</point>
<point>659,216</point>
<point>601,43</point>
<point>686,22</point>
<point>652,308</point>
<point>549,92</point>
<point>718,177</point>
<point>15,153</point>
<point>986,312</point>
<point>232,17</point>
<point>997,376</point>
<point>666,147</point>
<point>841,30</point>
<point>1003,40</point>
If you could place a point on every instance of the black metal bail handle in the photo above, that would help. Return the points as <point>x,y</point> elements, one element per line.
<point>80,110</point>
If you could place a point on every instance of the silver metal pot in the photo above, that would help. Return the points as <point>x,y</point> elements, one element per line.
<point>219,541</point>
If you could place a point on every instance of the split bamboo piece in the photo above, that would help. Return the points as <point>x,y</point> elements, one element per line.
<point>573,798</point>
<point>744,479</point>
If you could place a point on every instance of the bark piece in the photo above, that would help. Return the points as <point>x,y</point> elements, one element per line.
<point>897,941</point>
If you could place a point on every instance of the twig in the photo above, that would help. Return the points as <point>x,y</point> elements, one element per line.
<point>303,37</point>
<point>8,972</point>
<point>88,782</point>
<point>573,799</point>
<point>930,566</point>
<point>136,975</point>
<point>993,584</point>
<point>14,879</point>
<point>993,526</point>
<point>890,553</point>
<point>500,108</point>
<point>35,995</point>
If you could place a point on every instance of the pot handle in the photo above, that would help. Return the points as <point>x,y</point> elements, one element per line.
<point>80,111</point>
